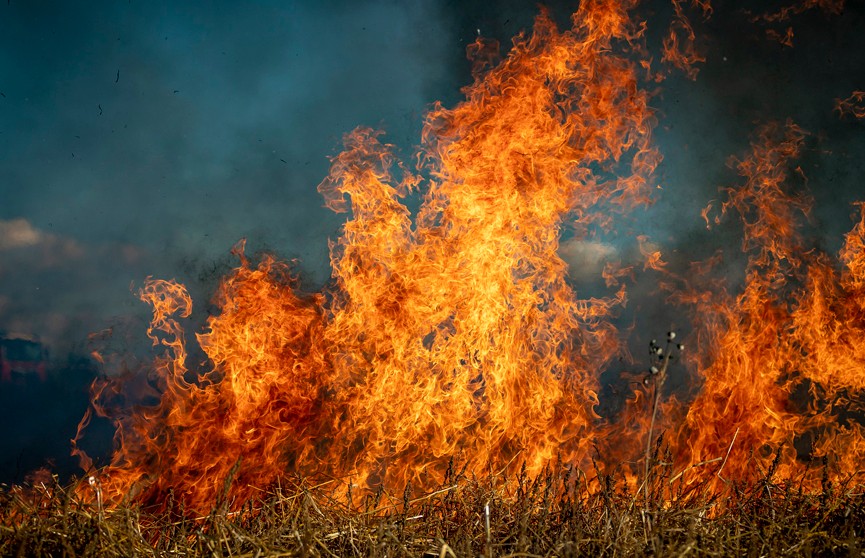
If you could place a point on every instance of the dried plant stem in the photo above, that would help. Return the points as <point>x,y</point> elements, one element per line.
<point>489,545</point>
<point>469,518</point>
<point>658,385</point>
<point>729,449</point>
<point>694,466</point>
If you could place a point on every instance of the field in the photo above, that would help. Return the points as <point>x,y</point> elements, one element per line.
<point>566,513</point>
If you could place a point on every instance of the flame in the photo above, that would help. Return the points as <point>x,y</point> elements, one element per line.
<point>786,13</point>
<point>829,7</point>
<point>786,39</point>
<point>651,252</point>
<point>456,333</point>
<point>853,105</point>
<point>453,334</point>
<point>679,46</point>
<point>785,352</point>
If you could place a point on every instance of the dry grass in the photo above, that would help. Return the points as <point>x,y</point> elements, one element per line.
<point>552,515</point>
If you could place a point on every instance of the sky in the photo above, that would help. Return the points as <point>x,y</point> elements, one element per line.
<point>145,138</point>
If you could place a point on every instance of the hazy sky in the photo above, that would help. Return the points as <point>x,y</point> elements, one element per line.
<point>142,138</point>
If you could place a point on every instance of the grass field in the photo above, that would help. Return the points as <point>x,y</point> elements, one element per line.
<point>568,513</point>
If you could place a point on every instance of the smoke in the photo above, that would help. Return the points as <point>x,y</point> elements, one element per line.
<point>174,131</point>
<point>142,139</point>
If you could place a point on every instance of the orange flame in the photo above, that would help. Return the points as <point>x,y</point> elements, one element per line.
<point>651,253</point>
<point>679,46</point>
<point>785,13</point>
<point>786,39</point>
<point>853,105</point>
<point>830,7</point>
<point>777,377</point>
<point>457,333</point>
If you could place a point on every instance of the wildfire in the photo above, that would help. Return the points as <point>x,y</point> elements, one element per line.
<point>456,334</point>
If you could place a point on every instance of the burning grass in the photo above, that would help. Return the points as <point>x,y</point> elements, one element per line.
<point>561,512</point>
<point>456,334</point>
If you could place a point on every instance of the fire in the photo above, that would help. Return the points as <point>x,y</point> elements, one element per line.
<point>785,353</point>
<point>788,12</point>
<point>679,47</point>
<point>831,7</point>
<point>453,334</point>
<point>853,105</point>
<point>456,333</point>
